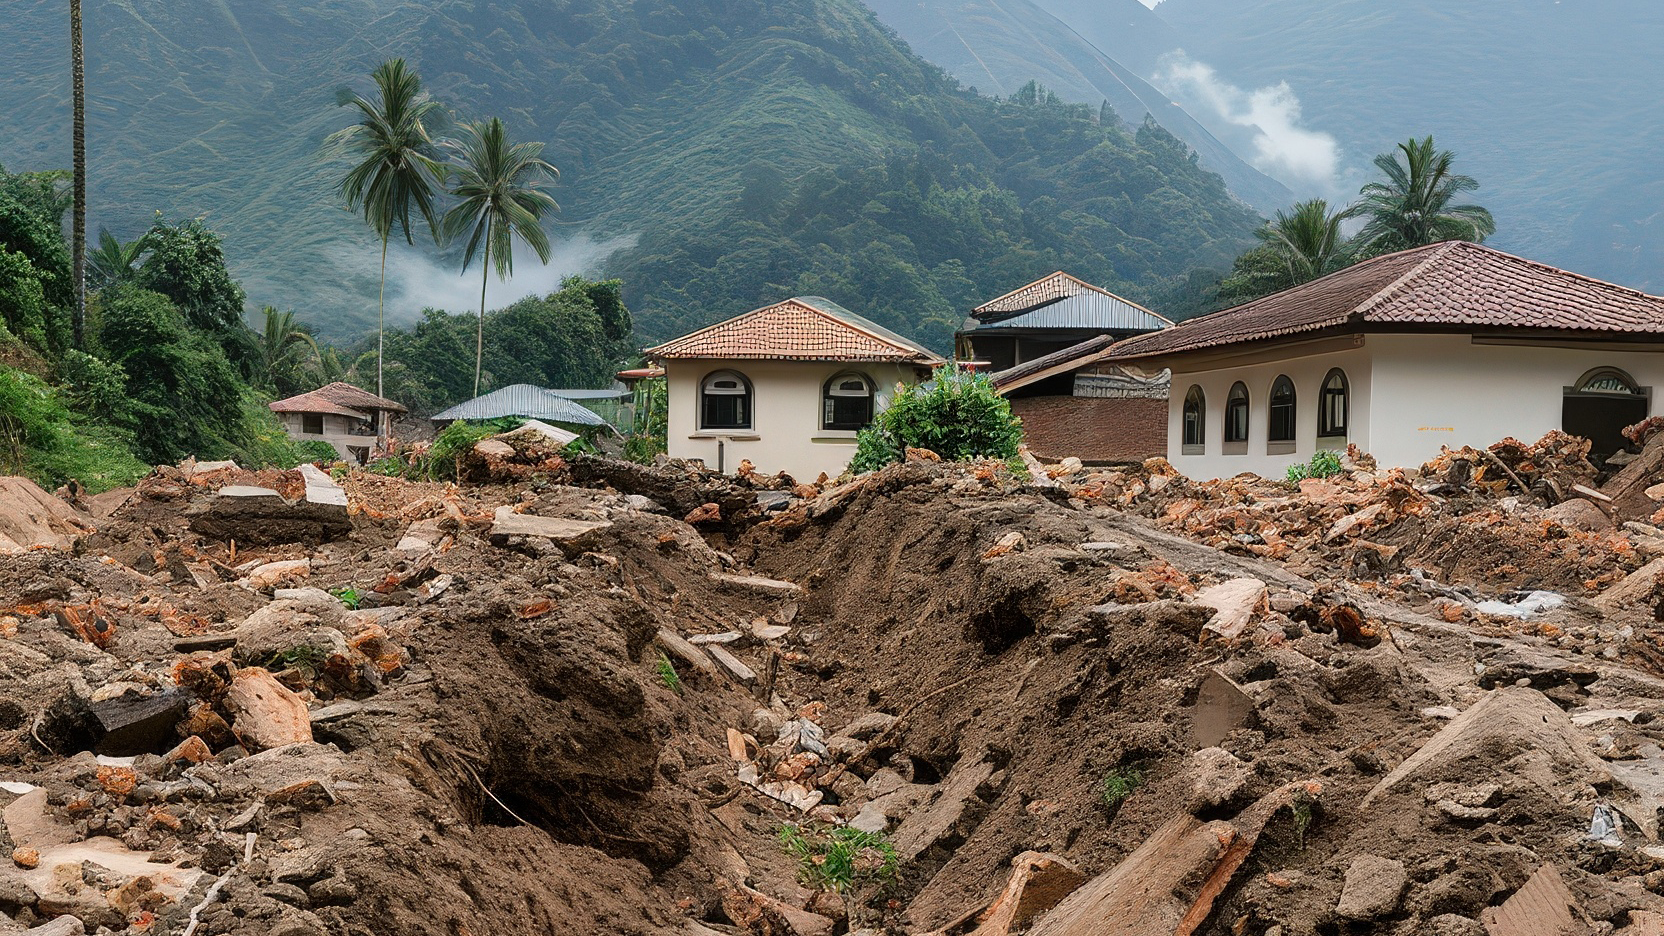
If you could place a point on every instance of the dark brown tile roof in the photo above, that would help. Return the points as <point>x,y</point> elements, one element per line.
<point>804,328</point>
<point>1450,285</point>
<point>339,398</point>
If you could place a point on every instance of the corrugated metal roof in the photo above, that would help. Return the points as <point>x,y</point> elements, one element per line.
<point>522,400</point>
<point>608,394</point>
<point>1094,310</point>
<point>1060,287</point>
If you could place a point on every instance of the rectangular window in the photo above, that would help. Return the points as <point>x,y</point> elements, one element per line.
<point>848,412</point>
<point>1192,427</point>
<point>725,411</point>
<point>1282,421</point>
<point>312,423</point>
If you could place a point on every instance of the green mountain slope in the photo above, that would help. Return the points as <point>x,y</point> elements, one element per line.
<point>1553,106</point>
<point>998,46</point>
<point>714,154</point>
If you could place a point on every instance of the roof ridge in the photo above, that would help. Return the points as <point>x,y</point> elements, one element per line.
<point>1538,264</point>
<point>848,324</point>
<point>1438,252</point>
<point>727,321</point>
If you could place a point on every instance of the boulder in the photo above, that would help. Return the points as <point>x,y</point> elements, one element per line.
<point>1219,777</point>
<point>31,518</point>
<point>1373,888</point>
<point>1579,514</point>
<point>265,713</point>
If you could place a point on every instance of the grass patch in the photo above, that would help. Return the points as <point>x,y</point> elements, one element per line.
<point>667,674</point>
<point>1121,783</point>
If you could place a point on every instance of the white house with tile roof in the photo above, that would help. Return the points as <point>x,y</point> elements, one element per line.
<point>786,387</point>
<point>1447,345</point>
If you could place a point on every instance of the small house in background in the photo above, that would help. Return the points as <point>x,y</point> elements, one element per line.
<point>527,402</point>
<point>786,387</point>
<point>1447,345</point>
<point>341,414</point>
<point>1046,316</point>
<point>1072,402</point>
<point>1045,344</point>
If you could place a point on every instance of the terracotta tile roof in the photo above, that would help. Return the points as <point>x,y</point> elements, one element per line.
<point>806,328</point>
<point>338,398</point>
<point>1450,285</point>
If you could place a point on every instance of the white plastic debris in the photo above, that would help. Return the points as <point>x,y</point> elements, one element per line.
<point>1528,605</point>
<point>1604,825</point>
<point>17,787</point>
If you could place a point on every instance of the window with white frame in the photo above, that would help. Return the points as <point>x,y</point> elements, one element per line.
<point>1332,405</point>
<point>1236,413</point>
<point>1282,411</point>
<point>846,402</point>
<point>725,401</point>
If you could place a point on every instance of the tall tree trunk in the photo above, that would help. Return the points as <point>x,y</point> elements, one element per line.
<point>79,237</point>
<point>381,308</point>
<point>479,333</point>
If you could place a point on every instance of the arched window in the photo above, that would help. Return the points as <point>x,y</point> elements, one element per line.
<point>1281,427</point>
<point>1607,380</point>
<point>846,402</point>
<point>725,401</point>
<point>1195,420</point>
<point>1236,413</point>
<point>1332,405</point>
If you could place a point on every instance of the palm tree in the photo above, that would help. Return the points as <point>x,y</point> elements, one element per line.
<point>498,187</point>
<point>1307,240</point>
<point>283,353</point>
<point>1415,205</point>
<point>397,169</point>
<point>78,237</point>
<point>112,263</point>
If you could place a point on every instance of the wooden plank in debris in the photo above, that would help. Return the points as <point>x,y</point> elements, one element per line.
<point>731,663</point>
<point>1541,907</point>
<point>773,588</point>
<point>686,652</point>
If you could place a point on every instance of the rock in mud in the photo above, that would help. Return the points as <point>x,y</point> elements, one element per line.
<point>264,712</point>
<point>1373,888</point>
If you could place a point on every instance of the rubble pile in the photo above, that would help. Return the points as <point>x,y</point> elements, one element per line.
<point>588,697</point>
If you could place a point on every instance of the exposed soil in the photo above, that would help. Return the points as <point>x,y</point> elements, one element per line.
<point>497,747</point>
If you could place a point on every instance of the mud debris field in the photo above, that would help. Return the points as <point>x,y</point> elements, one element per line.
<point>579,696</point>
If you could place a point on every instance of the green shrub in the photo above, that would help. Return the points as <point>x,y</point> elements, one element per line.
<point>1322,465</point>
<point>41,439</point>
<point>316,450</point>
<point>456,439</point>
<point>957,415</point>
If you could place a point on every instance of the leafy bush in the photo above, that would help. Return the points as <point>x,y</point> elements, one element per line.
<point>957,415</point>
<point>650,429</point>
<point>1322,465</point>
<point>316,450</point>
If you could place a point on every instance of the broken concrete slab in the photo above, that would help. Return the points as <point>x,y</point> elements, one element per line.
<point>321,489</point>
<point>1641,587</point>
<point>1579,514</point>
<point>261,516</point>
<point>1235,603</point>
<point>505,522</point>
<point>757,584</point>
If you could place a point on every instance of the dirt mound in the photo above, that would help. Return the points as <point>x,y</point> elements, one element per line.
<point>31,518</point>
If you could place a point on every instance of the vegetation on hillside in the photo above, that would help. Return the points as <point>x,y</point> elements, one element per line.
<point>167,368</point>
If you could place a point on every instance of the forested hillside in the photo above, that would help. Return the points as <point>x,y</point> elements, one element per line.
<point>733,152</point>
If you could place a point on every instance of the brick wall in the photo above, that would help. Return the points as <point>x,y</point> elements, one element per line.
<point>1093,429</point>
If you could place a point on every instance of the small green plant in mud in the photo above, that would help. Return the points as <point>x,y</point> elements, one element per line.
<point>853,864</point>
<point>349,596</point>
<point>1301,809</point>
<point>308,660</point>
<point>1120,784</point>
<point>667,673</point>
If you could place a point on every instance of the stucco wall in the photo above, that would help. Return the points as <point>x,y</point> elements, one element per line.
<point>335,432</point>
<point>1434,390</point>
<point>1411,394</point>
<point>1306,372</point>
<point>785,432</point>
